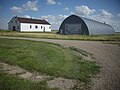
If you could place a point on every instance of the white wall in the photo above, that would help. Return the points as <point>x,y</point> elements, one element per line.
<point>14,22</point>
<point>25,27</point>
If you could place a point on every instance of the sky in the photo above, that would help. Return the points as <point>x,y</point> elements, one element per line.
<point>55,11</point>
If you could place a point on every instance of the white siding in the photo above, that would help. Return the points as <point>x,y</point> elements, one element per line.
<point>25,27</point>
<point>14,23</point>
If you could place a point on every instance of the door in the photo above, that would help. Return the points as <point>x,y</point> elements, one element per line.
<point>44,29</point>
<point>72,28</point>
<point>14,28</point>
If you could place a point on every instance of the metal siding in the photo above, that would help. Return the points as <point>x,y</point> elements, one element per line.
<point>89,26</point>
<point>75,20</point>
<point>97,28</point>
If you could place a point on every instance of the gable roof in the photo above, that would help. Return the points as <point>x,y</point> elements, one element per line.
<point>30,20</point>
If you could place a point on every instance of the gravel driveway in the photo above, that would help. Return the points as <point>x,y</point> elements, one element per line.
<point>107,55</point>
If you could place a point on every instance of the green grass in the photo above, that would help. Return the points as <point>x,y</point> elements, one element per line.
<point>47,58</point>
<point>53,35</point>
<point>9,82</point>
<point>54,31</point>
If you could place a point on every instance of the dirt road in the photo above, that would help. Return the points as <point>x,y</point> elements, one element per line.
<point>108,56</point>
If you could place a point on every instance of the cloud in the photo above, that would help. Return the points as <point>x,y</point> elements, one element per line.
<point>26,16</point>
<point>3,24</point>
<point>51,2</point>
<point>66,9</point>
<point>25,7</point>
<point>31,6</point>
<point>59,3</point>
<point>104,16</point>
<point>83,10</point>
<point>118,15</point>
<point>54,20</point>
<point>16,9</point>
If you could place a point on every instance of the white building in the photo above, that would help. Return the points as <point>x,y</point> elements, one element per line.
<point>28,25</point>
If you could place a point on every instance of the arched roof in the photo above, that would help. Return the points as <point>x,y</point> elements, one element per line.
<point>73,19</point>
<point>89,26</point>
<point>96,27</point>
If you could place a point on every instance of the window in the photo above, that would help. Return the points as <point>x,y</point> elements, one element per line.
<point>36,27</point>
<point>30,26</point>
<point>15,21</point>
<point>11,21</point>
<point>49,27</point>
<point>41,27</point>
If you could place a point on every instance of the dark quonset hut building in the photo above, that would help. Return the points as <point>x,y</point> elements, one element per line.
<point>79,25</point>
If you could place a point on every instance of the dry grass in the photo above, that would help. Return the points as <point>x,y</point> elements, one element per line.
<point>53,35</point>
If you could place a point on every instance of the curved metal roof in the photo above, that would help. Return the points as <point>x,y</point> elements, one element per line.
<point>96,27</point>
<point>92,26</point>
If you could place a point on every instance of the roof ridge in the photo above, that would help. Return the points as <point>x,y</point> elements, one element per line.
<point>31,20</point>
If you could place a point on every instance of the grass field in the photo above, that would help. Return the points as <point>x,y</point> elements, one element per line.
<point>47,58</point>
<point>53,35</point>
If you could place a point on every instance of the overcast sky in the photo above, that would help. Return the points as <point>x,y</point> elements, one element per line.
<point>55,11</point>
